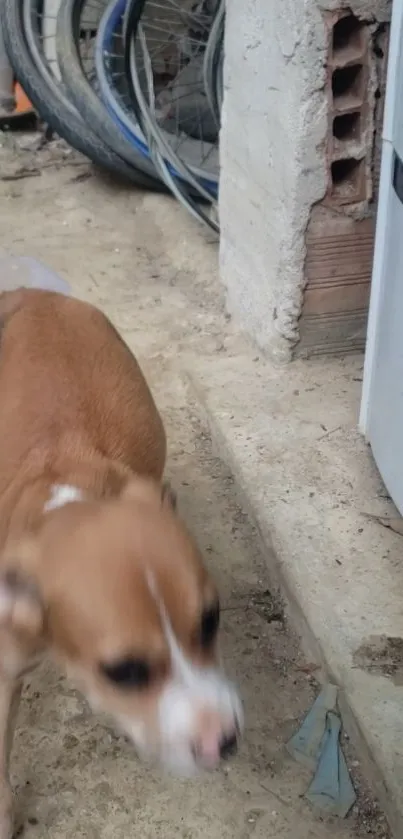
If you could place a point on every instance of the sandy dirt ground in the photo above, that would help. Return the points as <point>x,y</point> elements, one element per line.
<point>141,259</point>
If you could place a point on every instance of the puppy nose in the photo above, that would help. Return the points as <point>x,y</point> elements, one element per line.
<point>211,749</point>
<point>228,746</point>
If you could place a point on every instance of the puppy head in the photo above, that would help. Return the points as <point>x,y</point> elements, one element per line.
<point>124,601</point>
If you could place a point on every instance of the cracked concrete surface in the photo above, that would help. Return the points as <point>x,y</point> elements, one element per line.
<point>153,271</point>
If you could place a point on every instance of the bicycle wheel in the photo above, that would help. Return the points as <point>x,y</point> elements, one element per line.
<point>21,21</point>
<point>77,25</point>
<point>185,189</point>
<point>114,87</point>
<point>177,32</point>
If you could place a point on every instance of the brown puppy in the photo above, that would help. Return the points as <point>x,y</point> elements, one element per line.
<point>95,566</point>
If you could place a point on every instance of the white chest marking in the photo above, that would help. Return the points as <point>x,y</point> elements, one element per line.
<point>62,494</point>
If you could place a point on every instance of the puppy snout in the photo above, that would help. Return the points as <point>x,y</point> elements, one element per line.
<point>212,747</point>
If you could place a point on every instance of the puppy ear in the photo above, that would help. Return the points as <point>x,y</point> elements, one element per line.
<point>168,496</point>
<point>22,612</point>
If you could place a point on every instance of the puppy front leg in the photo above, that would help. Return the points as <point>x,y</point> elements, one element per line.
<point>21,641</point>
<point>10,693</point>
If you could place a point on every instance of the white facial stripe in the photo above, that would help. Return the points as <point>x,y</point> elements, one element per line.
<point>62,494</point>
<point>191,692</point>
<point>193,678</point>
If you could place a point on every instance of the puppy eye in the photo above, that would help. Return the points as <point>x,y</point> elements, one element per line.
<point>128,673</point>
<point>209,625</point>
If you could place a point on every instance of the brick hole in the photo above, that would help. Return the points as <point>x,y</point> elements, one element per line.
<point>347,126</point>
<point>342,169</point>
<point>346,179</point>
<point>347,80</point>
<point>347,32</point>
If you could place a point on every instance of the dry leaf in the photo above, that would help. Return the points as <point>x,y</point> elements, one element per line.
<point>308,668</point>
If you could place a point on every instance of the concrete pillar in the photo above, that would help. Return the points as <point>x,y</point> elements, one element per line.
<point>274,155</point>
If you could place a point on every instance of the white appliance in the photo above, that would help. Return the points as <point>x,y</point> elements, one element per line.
<point>381,418</point>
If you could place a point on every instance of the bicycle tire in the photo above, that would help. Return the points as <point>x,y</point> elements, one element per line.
<point>48,97</point>
<point>85,99</point>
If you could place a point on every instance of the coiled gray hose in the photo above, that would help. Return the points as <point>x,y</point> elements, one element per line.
<point>159,148</point>
<point>212,65</point>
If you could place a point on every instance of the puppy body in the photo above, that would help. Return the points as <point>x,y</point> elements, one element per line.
<point>95,566</point>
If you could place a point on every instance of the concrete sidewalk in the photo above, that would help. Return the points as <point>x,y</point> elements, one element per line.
<point>308,479</point>
<point>146,264</point>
